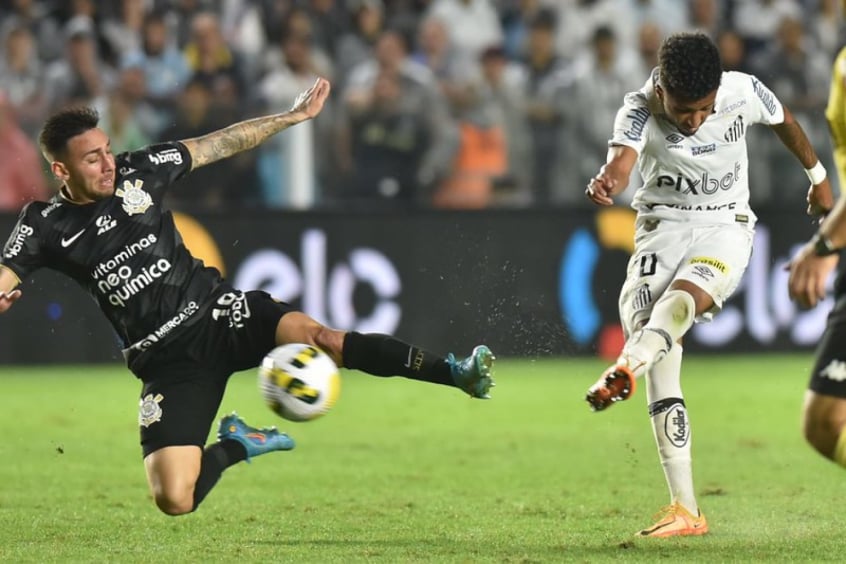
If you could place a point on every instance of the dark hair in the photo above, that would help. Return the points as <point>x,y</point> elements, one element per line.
<point>689,66</point>
<point>544,20</point>
<point>155,17</point>
<point>64,125</point>
<point>603,33</point>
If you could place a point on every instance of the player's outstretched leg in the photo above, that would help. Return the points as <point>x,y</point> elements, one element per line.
<point>384,355</point>
<point>671,317</point>
<point>473,374</point>
<point>255,441</point>
<point>676,521</point>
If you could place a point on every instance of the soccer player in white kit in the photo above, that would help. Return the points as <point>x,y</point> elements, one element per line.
<point>686,130</point>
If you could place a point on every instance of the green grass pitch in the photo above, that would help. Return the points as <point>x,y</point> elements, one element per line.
<point>402,471</point>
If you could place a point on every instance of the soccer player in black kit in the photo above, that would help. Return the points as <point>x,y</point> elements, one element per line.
<point>824,409</point>
<point>184,329</point>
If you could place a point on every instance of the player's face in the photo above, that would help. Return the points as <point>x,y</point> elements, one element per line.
<point>88,167</point>
<point>687,115</point>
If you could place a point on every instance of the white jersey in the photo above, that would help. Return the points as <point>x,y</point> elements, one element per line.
<point>707,171</point>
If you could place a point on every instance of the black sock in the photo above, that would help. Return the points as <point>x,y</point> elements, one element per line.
<point>216,458</point>
<point>383,355</point>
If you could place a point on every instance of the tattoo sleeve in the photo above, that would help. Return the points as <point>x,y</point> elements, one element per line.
<point>237,137</point>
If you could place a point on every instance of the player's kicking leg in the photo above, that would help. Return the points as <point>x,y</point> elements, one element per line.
<point>671,317</point>
<point>617,383</point>
<point>383,355</point>
<point>473,374</point>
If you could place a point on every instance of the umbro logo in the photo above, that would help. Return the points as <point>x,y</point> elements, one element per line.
<point>674,138</point>
<point>703,272</point>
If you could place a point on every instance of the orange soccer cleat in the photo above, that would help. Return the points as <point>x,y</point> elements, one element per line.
<point>676,521</point>
<point>617,383</point>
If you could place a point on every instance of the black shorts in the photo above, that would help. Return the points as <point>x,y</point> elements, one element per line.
<point>829,374</point>
<point>185,379</point>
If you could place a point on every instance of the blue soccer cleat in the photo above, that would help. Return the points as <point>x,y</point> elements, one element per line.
<point>473,374</point>
<point>256,441</point>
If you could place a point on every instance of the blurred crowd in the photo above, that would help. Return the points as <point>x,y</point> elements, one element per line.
<point>435,103</point>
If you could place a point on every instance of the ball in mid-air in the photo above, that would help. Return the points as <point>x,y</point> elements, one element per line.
<point>299,382</point>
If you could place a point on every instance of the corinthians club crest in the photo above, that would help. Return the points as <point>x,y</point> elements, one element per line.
<point>150,411</point>
<point>135,200</point>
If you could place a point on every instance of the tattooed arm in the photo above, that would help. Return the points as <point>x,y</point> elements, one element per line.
<point>248,134</point>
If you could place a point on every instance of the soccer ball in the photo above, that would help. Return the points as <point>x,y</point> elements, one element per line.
<point>299,382</point>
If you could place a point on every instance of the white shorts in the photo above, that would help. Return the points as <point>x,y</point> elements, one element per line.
<point>711,256</point>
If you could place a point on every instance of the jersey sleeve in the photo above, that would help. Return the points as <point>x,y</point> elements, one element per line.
<point>631,122</point>
<point>22,252</point>
<point>765,107</point>
<point>165,163</point>
<point>835,111</point>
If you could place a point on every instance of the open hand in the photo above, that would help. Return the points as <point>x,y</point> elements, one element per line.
<point>808,276</point>
<point>311,101</point>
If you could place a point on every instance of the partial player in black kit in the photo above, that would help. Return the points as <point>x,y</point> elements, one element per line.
<point>184,329</point>
<point>824,408</point>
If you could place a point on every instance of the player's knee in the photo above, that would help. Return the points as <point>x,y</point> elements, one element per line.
<point>174,507</point>
<point>175,499</point>
<point>682,304</point>
<point>821,430</point>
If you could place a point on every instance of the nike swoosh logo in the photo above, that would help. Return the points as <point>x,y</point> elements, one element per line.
<point>70,240</point>
<point>408,362</point>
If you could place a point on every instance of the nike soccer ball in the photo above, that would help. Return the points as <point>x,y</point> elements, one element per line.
<point>299,382</point>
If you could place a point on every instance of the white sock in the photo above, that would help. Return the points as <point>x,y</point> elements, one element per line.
<point>671,317</point>
<point>671,427</point>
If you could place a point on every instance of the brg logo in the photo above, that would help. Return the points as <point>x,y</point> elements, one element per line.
<point>588,287</point>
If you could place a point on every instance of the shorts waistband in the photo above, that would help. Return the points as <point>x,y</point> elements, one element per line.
<point>670,212</point>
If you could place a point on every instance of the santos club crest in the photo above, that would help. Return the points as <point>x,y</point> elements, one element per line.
<point>135,200</point>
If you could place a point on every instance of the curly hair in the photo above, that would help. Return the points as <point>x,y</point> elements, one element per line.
<point>689,66</point>
<point>62,126</point>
